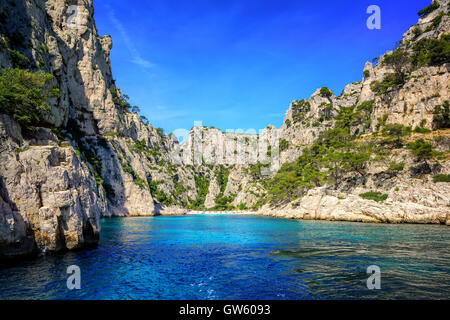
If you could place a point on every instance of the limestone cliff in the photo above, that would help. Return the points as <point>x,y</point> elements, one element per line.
<point>93,156</point>
<point>413,192</point>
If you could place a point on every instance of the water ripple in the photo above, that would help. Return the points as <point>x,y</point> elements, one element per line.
<point>242,257</point>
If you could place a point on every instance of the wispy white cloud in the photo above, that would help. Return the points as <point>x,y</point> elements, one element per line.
<point>160,113</point>
<point>136,57</point>
<point>141,62</point>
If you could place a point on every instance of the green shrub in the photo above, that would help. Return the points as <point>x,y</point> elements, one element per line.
<point>325,92</point>
<point>426,11</point>
<point>347,117</point>
<point>242,206</point>
<point>160,131</point>
<point>256,170</point>
<point>366,73</point>
<point>398,60</point>
<point>441,116</point>
<point>441,178</point>
<point>417,31</point>
<point>18,60</point>
<point>202,186</point>
<point>121,101</point>
<point>395,166</point>
<point>396,132</point>
<point>435,22</point>
<point>110,134</point>
<point>222,174</point>
<point>284,145</point>
<point>160,196</point>
<point>24,95</point>
<point>224,203</point>
<point>382,121</point>
<point>395,129</point>
<point>431,52</point>
<point>392,80</point>
<point>298,116</point>
<point>366,106</point>
<point>332,155</point>
<point>301,106</point>
<point>421,130</point>
<point>23,149</point>
<point>139,146</point>
<point>376,196</point>
<point>423,150</point>
<point>144,120</point>
<point>140,182</point>
<point>326,111</point>
<point>153,185</point>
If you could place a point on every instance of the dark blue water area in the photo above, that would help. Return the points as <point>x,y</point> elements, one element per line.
<point>222,257</point>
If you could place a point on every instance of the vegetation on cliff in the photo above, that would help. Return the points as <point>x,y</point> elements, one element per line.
<point>24,95</point>
<point>407,57</point>
<point>441,116</point>
<point>427,10</point>
<point>334,153</point>
<point>374,195</point>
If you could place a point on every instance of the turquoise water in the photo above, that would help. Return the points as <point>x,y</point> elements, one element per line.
<point>242,257</point>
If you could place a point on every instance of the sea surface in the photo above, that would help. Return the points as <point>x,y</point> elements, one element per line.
<point>242,257</point>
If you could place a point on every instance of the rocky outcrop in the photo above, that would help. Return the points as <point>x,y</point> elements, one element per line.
<point>211,146</point>
<point>49,199</point>
<point>411,201</point>
<point>96,157</point>
<point>55,188</point>
<point>412,104</point>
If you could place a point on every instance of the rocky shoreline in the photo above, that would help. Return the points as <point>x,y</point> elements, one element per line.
<point>331,208</point>
<point>346,217</point>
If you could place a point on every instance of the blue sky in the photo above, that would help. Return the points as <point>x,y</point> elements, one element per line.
<point>239,63</point>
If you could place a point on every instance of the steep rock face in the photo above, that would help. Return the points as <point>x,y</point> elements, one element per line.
<point>317,205</point>
<point>303,122</point>
<point>211,146</point>
<point>213,192</point>
<point>408,201</point>
<point>412,196</point>
<point>89,111</point>
<point>49,198</point>
<point>102,159</point>
<point>232,155</point>
<point>412,104</point>
<point>55,188</point>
